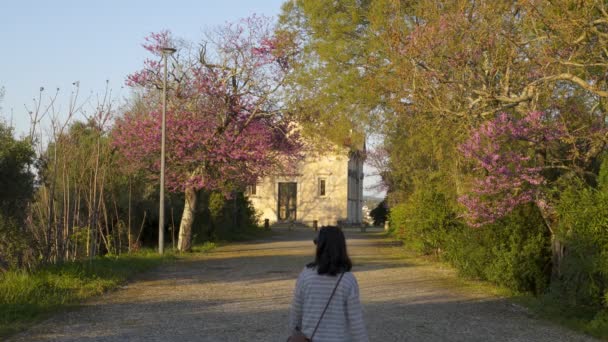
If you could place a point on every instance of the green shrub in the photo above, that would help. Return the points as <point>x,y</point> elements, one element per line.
<point>15,248</point>
<point>424,220</point>
<point>599,325</point>
<point>466,251</point>
<point>512,252</point>
<point>583,229</point>
<point>221,218</point>
<point>380,213</point>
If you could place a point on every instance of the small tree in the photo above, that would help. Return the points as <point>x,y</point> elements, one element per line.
<point>513,161</point>
<point>17,184</point>
<point>380,213</point>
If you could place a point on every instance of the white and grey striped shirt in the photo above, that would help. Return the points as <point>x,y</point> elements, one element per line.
<point>343,320</point>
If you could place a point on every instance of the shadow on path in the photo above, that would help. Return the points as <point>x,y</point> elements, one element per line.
<point>242,292</point>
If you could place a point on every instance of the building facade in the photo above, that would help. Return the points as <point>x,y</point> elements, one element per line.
<point>324,188</point>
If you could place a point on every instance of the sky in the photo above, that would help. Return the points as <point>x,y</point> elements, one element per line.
<point>53,44</point>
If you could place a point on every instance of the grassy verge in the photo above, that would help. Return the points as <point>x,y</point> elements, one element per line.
<point>204,248</point>
<point>27,297</point>
<point>550,308</point>
<point>579,318</point>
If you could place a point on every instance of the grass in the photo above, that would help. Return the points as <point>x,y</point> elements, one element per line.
<point>204,248</point>
<point>550,308</point>
<point>26,297</point>
<point>580,318</point>
<point>452,279</point>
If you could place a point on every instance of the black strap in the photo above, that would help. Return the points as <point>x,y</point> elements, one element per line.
<point>326,306</point>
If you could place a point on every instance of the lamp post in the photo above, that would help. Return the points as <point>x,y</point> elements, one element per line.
<point>166,51</point>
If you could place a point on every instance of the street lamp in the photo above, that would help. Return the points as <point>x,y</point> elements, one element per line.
<point>166,51</point>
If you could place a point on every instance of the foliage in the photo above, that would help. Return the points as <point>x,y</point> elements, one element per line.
<point>583,226</point>
<point>27,296</point>
<point>87,202</point>
<point>223,117</point>
<point>421,152</point>
<point>512,252</point>
<point>510,156</point>
<point>329,87</point>
<point>424,220</point>
<point>17,184</point>
<point>15,249</point>
<point>224,218</point>
<point>222,114</point>
<point>380,213</point>
<point>16,179</point>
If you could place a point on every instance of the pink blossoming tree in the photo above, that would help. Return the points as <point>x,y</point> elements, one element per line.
<point>508,154</point>
<point>510,158</point>
<point>225,125</point>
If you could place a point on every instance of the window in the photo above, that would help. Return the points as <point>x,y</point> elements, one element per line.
<point>252,189</point>
<point>322,189</point>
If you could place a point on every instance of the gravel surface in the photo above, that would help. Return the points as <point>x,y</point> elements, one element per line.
<point>242,292</point>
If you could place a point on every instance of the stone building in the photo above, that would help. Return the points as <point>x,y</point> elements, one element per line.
<point>327,188</point>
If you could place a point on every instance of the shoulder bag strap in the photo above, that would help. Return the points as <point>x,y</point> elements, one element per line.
<point>326,306</point>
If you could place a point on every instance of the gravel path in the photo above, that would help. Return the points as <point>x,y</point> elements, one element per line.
<point>242,292</point>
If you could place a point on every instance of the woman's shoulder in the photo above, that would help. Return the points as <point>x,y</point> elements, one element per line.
<point>350,279</point>
<point>309,273</point>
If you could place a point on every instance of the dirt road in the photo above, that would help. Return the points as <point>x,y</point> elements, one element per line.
<point>242,292</point>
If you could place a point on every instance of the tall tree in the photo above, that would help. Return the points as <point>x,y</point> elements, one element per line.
<point>333,78</point>
<point>225,126</point>
<point>519,161</point>
<point>16,179</point>
<point>17,184</point>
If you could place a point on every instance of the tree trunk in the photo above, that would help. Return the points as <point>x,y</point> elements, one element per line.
<point>184,243</point>
<point>557,256</point>
<point>129,232</point>
<point>47,252</point>
<point>557,247</point>
<point>93,220</point>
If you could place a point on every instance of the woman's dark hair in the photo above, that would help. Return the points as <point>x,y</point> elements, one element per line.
<point>331,257</point>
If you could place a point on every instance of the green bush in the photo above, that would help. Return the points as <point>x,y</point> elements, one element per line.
<point>466,251</point>
<point>424,220</point>
<point>512,252</point>
<point>380,213</point>
<point>583,229</point>
<point>15,248</point>
<point>221,218</point>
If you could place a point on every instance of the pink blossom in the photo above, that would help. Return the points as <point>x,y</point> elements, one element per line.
<point>216,138</point>
<point>502,151</point>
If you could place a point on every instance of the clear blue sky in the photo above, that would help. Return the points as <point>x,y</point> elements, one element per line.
<point>54,43</point>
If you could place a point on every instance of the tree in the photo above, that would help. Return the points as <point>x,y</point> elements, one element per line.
<point>510,155</point>
<point>2,91</point>
<point>16,180</point>
<point>380,213</point>
<point>17,184</point>
<point>225,126</point>
<point>332,83</point>
<point>518,161</point>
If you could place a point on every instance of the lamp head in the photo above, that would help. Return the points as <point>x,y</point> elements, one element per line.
<point>167,50</point>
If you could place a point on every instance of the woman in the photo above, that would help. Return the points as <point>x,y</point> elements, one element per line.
<point>328,277</point>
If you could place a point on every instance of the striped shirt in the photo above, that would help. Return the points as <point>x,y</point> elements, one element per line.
<point>343,320</point>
